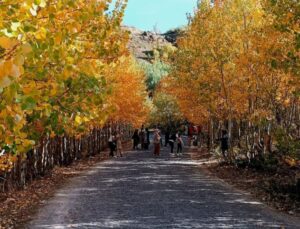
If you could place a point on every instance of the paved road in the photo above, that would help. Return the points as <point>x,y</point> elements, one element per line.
<point>140,191</point>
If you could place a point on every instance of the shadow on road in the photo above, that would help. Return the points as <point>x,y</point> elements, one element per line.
<point>140,191</point>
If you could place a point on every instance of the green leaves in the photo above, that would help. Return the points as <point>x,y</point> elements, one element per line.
<point>166,111</point>
<point>40,3</point>
<point>155,72</point>
<point>28,104</point>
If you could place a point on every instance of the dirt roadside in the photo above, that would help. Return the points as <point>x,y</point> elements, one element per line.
<point>270,188</point>
<point>19,206</point>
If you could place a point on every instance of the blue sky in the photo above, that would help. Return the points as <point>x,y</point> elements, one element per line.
<point>165,14</point>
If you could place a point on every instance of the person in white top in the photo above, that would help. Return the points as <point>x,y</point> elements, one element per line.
<point>179,144</point>
<point>156,142</point>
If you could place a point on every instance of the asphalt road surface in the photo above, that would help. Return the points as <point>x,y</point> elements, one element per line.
<point>140,191</point>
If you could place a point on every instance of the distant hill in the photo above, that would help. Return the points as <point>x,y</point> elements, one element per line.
<point>142,43</point>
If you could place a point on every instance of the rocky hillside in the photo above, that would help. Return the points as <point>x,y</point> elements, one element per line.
<point>142,43</point>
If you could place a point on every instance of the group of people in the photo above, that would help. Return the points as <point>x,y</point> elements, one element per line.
<point>115,144</point>
<point>141,140</point>
<point>141,137</point>
<point>172,140</point>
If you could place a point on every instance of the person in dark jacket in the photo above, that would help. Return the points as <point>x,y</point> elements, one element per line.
<point>111,144</point>
<point>167,138</point>
<point>172,142</point>
<point>224,143</point>
<point>142,136</point>
<point>147,143</point>
<point>136,139</point>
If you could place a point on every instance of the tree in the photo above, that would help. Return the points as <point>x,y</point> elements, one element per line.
<point>165,111</point>
<point>128,99</point>
<point>229,70</point>
<point>56,57</point>
<point>154,72</point>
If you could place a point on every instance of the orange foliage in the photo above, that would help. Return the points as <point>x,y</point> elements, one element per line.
<point>128,99</point>
<point>227,65</point>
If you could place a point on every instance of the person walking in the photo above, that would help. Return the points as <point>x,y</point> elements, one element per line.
<point>161,140</point>
<point>156,142</point>
<point>142,137</point>
<point>179,144</point>
<point>111,144</point>
<point>119,144</point>
<point>147,139</point>
<point>167,138</point>
<point>224,143</point>
<point>135,139</point>
<point>172,142</point>
<point>190,134</point>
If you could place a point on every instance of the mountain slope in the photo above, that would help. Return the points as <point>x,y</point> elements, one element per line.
<point>143,43</point>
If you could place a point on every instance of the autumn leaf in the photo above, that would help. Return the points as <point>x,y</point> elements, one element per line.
<point>8,43</point>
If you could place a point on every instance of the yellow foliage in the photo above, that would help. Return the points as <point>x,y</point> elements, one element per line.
<point>7,43</point>
<point>61,71</point>
<point>225,65</point>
